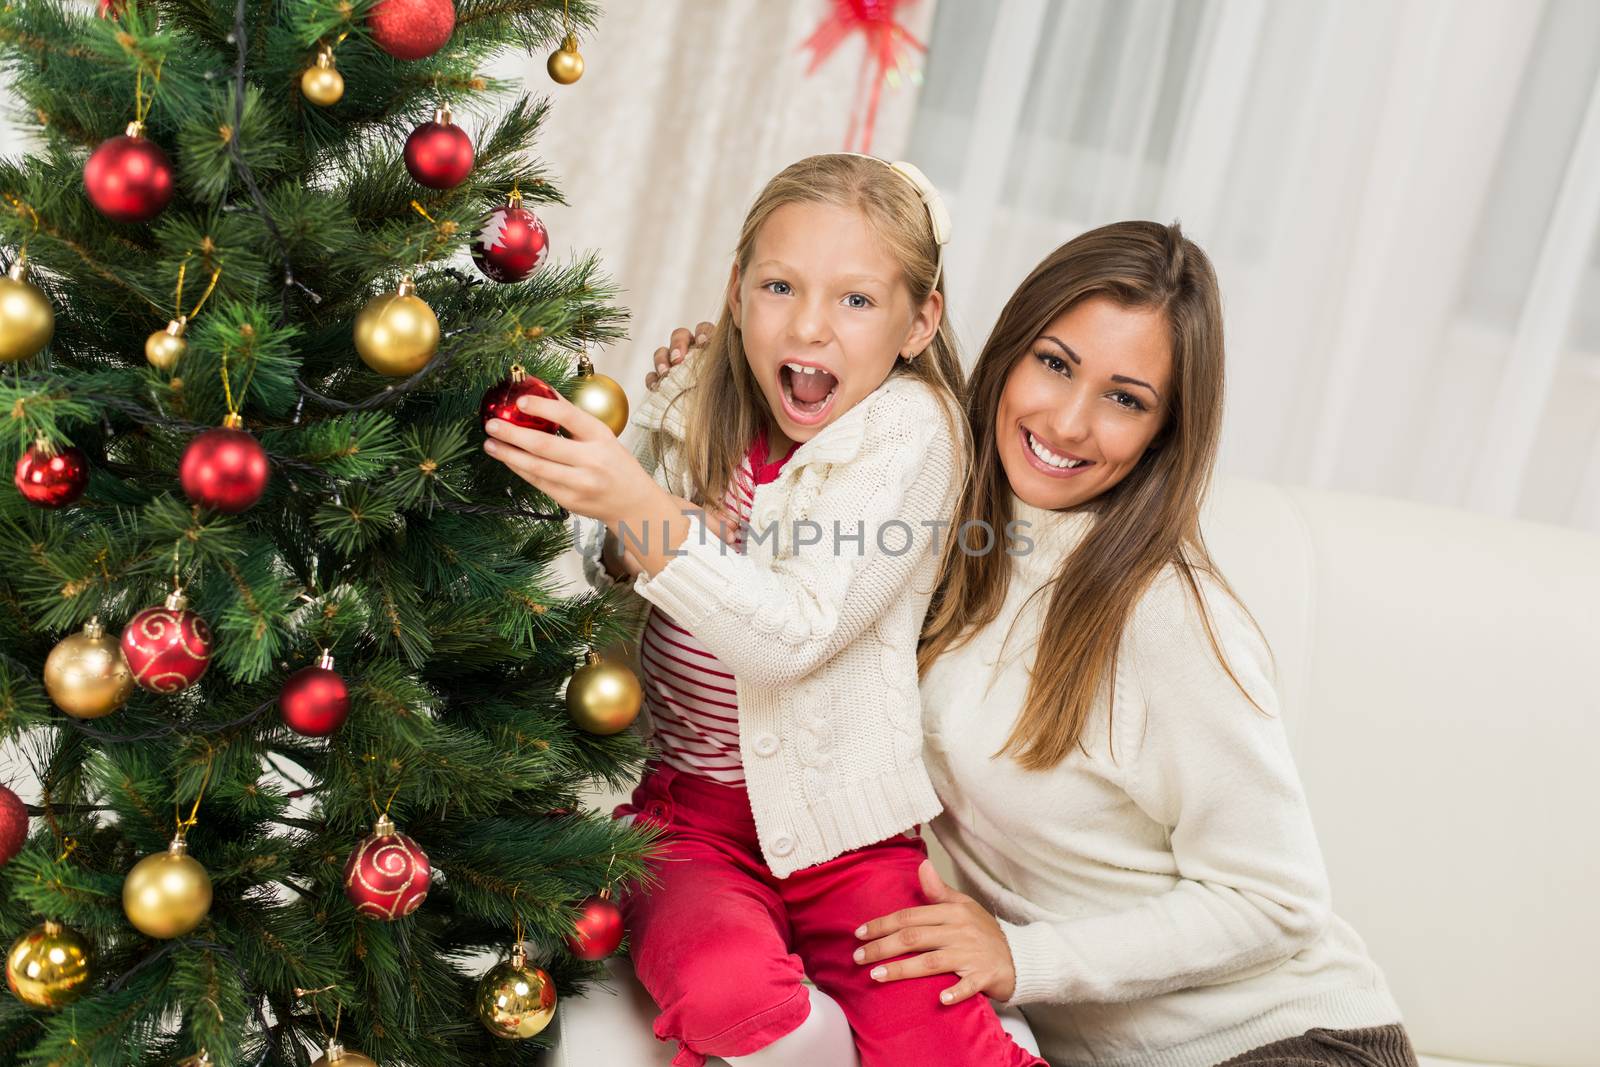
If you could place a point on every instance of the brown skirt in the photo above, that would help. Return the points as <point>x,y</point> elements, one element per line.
<point>1377,1046</point>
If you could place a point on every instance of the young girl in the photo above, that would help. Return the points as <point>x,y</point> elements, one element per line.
<point>821,425</point>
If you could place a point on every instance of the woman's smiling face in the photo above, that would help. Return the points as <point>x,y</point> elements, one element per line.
<point>1083,404</point>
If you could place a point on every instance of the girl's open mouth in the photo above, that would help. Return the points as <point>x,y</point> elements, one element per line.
<point>808,391</point>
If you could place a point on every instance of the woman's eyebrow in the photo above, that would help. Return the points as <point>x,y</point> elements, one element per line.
<point>1120,378</point>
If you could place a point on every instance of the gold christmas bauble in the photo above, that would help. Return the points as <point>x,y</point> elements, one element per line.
<point>602,697</point>
<point>397,333</point>
<point>86,674</point>
<point>565,64</point>
<point>48,967</point>
<point>337,1056</point>
<point>167,894</point>
<point>322,84</point>
<point>516,1000</point>
<point>164,348</point>
<point>27,321</point>
<point>601,397</point>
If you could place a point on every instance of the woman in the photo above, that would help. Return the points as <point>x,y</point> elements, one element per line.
<point>1100,718</point>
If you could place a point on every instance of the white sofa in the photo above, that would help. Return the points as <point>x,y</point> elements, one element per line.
<point>1438,673</point>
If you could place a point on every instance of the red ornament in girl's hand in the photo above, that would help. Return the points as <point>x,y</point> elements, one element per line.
<point>500,402</point>
<point>52,478</point>
<point>412,29</point>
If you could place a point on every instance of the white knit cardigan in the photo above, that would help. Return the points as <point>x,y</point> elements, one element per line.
<point>821,638</point>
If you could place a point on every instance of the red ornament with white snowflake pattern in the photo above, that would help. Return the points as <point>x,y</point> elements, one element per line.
<point>511,243</point>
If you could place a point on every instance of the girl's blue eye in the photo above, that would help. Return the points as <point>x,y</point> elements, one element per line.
<point>858,300</point>
<point>778,288</point>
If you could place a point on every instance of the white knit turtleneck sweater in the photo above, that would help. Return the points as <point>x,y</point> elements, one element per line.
<point>1164,895</point>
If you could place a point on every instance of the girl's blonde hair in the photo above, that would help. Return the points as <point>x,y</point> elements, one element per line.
<point>725,406</point>
<point>1145,523</point>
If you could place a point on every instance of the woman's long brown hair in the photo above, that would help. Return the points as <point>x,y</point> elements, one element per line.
<point>1148,521</point>
<point>724,406</point>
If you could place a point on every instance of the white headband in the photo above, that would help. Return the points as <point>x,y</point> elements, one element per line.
<point>938,214</point>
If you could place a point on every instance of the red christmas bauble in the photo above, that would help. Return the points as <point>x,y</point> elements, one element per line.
<point>111,9</point>
<point>128,178</point>
<point>510,244</point>
<point>598,931</point>
<point>412,29</point>
<point>315,701</point>
<point>500,402</point>
<point>387,875</point>
<point>225,469</point>
<point>439,153</point>
<point>168,648</point>
<point>50,477</point>
<point>13,825</point>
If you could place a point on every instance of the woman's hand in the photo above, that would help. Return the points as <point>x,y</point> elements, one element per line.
<point>676,351</point>
<point>952,935</point>
<point>588,472</point>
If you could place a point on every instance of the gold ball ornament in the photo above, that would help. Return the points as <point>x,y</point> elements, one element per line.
<point>337,1056</point>
<point>515,1000</point>
<point>86,673</point>
<point>602,697</point>
<point>397,333</point>
<point>27,321</point>
<point>565,64</point>
<point>601,397</point>
<point>164,348</point>
<point>322,84</point>
<point>48,967</point>
<point>168,893</point>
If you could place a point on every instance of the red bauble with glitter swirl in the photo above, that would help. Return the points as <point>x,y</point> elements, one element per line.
<point>598,931</point>
<point>439,154</point>
<point>511,243</point>
<point>315,701</point>
<point>225,469</point>
<point>387,876</point>
<point>129,178</point>
<point>500,402</point>
<point>52,477</point>
<point>168,648</point>
<point>13,825</point>
<point>411,29</point>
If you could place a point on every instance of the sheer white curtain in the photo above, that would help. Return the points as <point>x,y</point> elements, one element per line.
<point>1401,198</point>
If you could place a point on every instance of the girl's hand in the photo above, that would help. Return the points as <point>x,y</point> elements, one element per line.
<point>588,472</point>
<point>621,564</point>
<point>677,351</point>
<point>953,935</point>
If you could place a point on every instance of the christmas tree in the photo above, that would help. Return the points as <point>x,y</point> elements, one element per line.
<point>282,653</point>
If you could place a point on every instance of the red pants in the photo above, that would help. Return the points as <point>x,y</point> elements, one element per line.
<point>723,946</point>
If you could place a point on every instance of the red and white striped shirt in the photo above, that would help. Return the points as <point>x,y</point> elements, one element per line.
<point>690,694</point>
